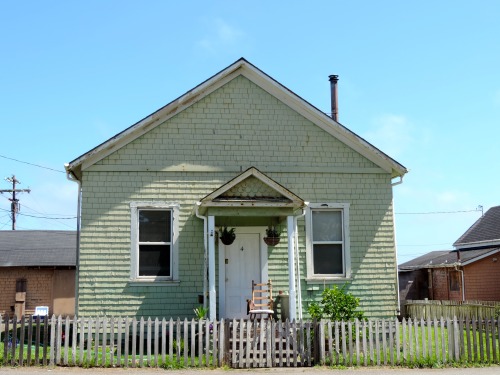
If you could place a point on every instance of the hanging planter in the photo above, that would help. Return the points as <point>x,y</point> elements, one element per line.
<point>271,241</point>
<point>226,235</point>
<point>272,236</point>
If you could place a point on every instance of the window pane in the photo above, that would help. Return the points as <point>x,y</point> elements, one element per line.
<point>454,281</point>
<point>154,226</point>
<point>154,260</point>
<point>328,259</point>
<point>327,225</point>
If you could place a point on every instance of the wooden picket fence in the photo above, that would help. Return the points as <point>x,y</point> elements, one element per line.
<point>126,342</point>
<point>461,309</point>
<point>417,341</point>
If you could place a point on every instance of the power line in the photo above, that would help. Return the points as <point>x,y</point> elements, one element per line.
<point>43,217</point>
<point>35,165</point>
<point>436,212</point>
<point>429,244</point>
<point>42,213</point>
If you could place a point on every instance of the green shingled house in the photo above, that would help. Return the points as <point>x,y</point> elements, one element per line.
<point>241,151</point>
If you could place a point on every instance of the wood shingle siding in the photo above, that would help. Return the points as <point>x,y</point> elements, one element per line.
<point>187,157</point>
<point>193,158</point>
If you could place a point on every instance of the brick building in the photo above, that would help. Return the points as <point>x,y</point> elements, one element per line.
<point>37,268</point>
<point>470,272</point>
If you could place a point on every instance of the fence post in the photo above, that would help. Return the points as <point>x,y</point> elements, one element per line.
<point>52,340</point>
<point>13,341</point>
<point>227,335</point>
<point>6,339</point>
<point>321,339</point>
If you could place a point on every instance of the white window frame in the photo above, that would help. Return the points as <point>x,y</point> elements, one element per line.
<point>135,207</point>
<point>346,243</point>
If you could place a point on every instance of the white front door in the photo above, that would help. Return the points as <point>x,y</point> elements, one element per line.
<point>243,261</point>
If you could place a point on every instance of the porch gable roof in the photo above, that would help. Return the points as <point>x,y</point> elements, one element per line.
<point>252,188</point>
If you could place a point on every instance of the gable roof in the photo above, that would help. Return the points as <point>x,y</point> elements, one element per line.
<point>484,232</point>
<point>252,188</point>
<point>37,248</point>
<point>446,258</point>
<point>258,77</point>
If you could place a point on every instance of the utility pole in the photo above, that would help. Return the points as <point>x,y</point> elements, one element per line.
<point>14,206</point>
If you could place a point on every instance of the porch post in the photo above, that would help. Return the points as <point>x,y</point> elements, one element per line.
<point>212,310</point>
<point>291,265</point>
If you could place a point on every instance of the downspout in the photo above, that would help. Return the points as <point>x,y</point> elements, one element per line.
<point>205,231</point>
<point>397,182</point>
<point>463,284</point>
<point>71,177</point>
<point>398,309</point>
<point>459,261</point>
<point>297,255</point>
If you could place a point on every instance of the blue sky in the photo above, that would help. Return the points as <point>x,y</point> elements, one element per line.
<point>419,80</point>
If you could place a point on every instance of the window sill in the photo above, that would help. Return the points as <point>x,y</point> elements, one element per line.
<point>139,282</point>
<point>328,280</point>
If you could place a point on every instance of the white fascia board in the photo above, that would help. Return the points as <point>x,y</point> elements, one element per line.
<point>266,83</point>
<point>157,118</point>
<point>295,200</point>
<point>248,204</point>
<point>480,257</point>
<point>488,243</point>
<point>324,122</point>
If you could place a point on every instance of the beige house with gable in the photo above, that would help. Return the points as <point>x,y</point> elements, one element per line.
<point>240,151</point>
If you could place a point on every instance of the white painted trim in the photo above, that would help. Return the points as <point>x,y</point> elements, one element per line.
<point>134,240</point>
<point>152,121</point>
<point>495,251</point>
<point>469,245</point>
<point>324,122</point>
<point>212,292</point>
<point>290,225</point>
<point>254,172</point>
<point>222,279</point>
<point>233,169</point>
<point>266,83</point>
<point>264,271</point>
<point>344,208</point>
<point>249,203</point>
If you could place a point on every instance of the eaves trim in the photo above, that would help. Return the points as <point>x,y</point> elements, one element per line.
<point>268,84</point>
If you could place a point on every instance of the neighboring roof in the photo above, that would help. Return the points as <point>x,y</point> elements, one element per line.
<point>37,248</point>
<point>246,69</point>
<point>446,258</point>
<point>484,232</point>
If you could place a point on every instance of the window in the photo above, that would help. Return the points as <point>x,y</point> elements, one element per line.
<point>21,285</point>
<point>327,231</point>
<point>154,246</point>
<point>454,281</point>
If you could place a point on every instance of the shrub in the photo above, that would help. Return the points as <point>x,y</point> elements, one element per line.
<point>336,304</point>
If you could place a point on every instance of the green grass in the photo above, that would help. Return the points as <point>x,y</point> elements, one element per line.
<point>428,356</point>
<point>89,360</point>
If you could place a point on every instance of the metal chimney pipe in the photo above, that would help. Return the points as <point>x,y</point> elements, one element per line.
<point>335,105</point>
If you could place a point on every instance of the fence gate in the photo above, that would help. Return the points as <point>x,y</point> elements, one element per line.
<point>266,343</point>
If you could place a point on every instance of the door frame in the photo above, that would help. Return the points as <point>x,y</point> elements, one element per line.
<point>222,263</point>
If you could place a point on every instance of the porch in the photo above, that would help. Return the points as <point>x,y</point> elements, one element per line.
<point>250,203</point>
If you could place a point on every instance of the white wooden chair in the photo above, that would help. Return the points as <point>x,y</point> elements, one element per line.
<point>262,302</point>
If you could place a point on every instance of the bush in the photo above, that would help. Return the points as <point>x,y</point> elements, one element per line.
<point>336,304</point>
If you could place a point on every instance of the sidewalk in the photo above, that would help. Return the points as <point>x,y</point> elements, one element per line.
<point>492,370</point>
